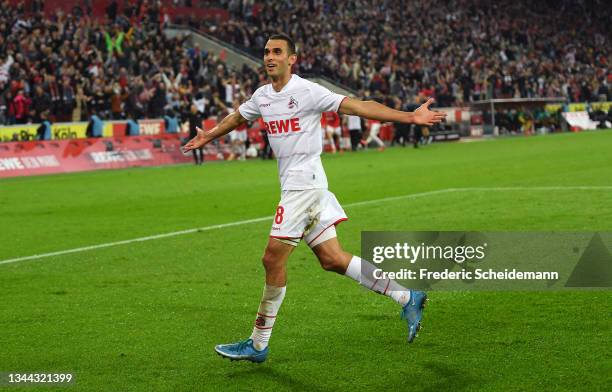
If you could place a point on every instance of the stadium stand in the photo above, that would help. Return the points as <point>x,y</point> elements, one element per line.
<point>458,51</point>
<point>74,66</point>
<point>70,60</point>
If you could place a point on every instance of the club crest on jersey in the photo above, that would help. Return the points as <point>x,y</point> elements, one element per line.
<point>293,103</point>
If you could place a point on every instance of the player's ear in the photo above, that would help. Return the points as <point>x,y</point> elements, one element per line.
<point>292,58</point>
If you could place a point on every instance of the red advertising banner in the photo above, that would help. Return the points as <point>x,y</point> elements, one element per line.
<point>61,156</point>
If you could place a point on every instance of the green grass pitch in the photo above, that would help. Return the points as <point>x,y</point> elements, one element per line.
<point>145,316</point>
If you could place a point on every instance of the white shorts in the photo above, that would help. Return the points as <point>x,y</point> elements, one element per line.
<point>333,130</point>
<point>374,129</point>
<point>310,214</point>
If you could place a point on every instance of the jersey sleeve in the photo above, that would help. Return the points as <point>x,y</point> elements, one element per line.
<point>249,109</point>
<point>324,99</point>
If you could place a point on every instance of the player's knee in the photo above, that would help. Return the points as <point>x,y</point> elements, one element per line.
<point>331,261</point>
<point>270,261</point>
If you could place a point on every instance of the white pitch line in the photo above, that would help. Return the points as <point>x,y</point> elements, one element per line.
<point>392,198</point>
<point>141,239</point>
<point>539,188</point>
<point>255,220</point>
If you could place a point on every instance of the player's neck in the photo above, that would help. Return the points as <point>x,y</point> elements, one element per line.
<point>280,81</point>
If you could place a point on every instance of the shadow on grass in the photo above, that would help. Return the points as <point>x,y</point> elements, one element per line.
<point>446,378</point>
<point>262,375</point>
<point>438,377</point>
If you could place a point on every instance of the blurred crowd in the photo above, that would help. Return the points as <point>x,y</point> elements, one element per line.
<point>70,66</point>
<point>458,50</point>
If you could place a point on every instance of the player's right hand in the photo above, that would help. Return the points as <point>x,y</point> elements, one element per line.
<point>198,141</point>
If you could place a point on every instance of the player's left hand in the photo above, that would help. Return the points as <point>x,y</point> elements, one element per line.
<point>424,116</point>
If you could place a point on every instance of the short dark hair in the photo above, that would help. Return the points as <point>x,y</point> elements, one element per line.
<point>287,39</point>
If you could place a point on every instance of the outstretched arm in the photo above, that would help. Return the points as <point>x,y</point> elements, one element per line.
<point>376,111</point>
<point>228,124</point>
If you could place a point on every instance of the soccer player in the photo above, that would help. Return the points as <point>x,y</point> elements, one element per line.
<point>238,138</point>
<point>353,124</point>
<point>291,108</point>
<point>373,134</point>
<point>333,130</point>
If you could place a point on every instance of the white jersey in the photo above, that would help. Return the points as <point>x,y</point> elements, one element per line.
<point>292,119</point>
<point>354,123</point>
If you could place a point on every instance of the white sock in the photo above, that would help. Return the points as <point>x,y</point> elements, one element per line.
<point>266,315</point>
<point>362,272</point>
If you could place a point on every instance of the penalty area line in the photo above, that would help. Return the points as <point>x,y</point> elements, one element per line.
<point>264,218</point>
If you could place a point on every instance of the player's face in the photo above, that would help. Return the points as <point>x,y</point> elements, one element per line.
<point>277,59</point>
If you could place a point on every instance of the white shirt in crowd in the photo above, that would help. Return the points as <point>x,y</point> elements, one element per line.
<point>354,122</point>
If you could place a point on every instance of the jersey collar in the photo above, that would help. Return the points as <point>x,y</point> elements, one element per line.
<point>285,87</point>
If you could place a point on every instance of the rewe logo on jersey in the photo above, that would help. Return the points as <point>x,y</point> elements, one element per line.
<point>283,126</point>
<point>292,103</point>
